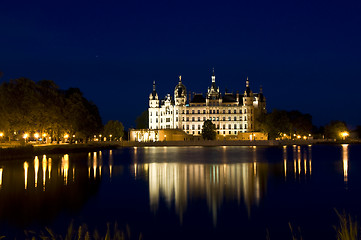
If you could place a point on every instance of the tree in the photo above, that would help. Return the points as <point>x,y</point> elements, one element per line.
<point>142,120</point>
<point>209,130</point>
<point>334,129</point>
<point>276,123</point>
<point>301,124</point>
<point>358,131</point>
<point>29,107</point>
<point>115,129</point>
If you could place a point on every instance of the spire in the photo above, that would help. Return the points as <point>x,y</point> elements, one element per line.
<point>153,86</point>
<point>247,82</point>
<point>180,78</point>
<point>213,77</point>
<point>260,89</point>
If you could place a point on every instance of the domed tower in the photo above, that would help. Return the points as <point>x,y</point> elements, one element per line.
<point>180,93</point>
<point>248,108</point>
<point>153,98</point>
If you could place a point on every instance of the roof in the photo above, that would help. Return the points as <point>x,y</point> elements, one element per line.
<point>198,98</point>
<point>229,97</point>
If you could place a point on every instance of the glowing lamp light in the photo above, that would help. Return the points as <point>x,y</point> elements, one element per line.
<point>73,136</point>
<point>36,135</point>
<point>344,134</point>
<point>44,134</point>
<point>110,135</point>
<point>25,136</point>
<point>298,136</point>
<point>304,137</point>
<point>1,134</point>
<point>66,136</point>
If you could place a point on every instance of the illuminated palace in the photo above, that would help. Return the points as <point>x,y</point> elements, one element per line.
<point>232,113</point>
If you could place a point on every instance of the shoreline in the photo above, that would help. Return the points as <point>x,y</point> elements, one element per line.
<point>10,152</point>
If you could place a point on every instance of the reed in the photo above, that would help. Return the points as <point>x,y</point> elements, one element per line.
<point>83,233</point>
<point>347,228</point>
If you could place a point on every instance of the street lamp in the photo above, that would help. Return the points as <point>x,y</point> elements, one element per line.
<point>25,136</point>
<point>344,135</point>
<point>110,136</point>
<point>66,137</point>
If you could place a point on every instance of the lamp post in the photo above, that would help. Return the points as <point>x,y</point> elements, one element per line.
<point>110,137</point>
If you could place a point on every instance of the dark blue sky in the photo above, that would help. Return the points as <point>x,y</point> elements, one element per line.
<point>306,54</point>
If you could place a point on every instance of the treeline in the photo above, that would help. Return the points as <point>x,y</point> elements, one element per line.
<point>28,107</point>
<point>294,124</point>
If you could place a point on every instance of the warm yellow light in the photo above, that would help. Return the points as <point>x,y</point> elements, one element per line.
<point>66,136</point>
<point>298,136</point>
<point>36,135</point>
<point>1,134</point>
<point>294,135</point>
<point>44,134</point>
<point>344,134</point>
<point>73,136</point>
<point>110,135</point>
<point>304,137</point>
<point>25,136</point>
<point>284,135</point>
<point>100,135</point>
<point>309,135</point>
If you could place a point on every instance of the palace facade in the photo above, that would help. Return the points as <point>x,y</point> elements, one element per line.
<point>232,113</point>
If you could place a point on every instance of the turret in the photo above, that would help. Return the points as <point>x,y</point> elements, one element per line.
<point>213,91</point>
<point>153,98</point>
<point>180,93</point>
<point>248,95</point>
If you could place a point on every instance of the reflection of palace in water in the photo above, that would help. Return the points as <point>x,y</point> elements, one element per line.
<point>180,182</point>
<point>246,182</point>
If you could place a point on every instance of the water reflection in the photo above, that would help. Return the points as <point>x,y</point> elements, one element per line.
<point>345,162</point>
<point>302,162</point>
<point>179,182</point>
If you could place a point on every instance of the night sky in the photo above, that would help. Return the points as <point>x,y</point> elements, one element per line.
<point>305,54</point>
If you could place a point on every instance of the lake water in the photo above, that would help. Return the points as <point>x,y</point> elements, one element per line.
<point>185,192</point>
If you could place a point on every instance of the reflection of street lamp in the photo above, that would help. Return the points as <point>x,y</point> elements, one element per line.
<point>66,137</point>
